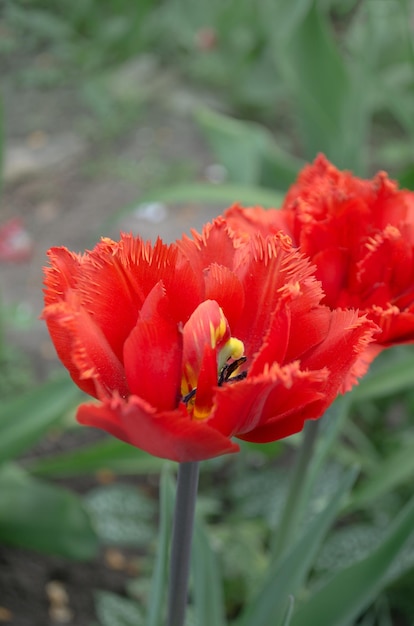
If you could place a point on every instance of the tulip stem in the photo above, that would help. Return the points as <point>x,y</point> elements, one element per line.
<point>187,483</point>
<point>297,489</point>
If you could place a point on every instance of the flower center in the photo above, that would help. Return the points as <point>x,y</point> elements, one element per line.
<point>211,357</point>
<point>230,359</point>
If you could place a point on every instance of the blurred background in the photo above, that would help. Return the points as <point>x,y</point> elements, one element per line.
<point>153,116</point>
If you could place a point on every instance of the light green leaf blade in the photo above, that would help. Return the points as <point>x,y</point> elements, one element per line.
<point>159,579</point>
<point>239,146</point>
<point>285,577</point>
<point>113,610</point>
<point>39,516</point>
<point>108,454</point>
<point>350,591</point>
<point>279,169</point>
<point>286,16</point>
<point>225,194</point>
<point>121,515</point>
<point>389,474</point>
<point>207,581</point>
<point>395,374</point>
<point>248,151</point>
<point>24,419</point>
<point>322,89</point>
<point>289,611</point>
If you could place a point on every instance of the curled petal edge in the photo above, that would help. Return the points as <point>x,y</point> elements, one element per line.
<point>167,434</point>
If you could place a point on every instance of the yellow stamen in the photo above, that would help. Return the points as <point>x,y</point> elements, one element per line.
<point>233,349</point>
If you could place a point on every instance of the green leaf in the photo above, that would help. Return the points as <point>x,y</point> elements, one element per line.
<point>248,151</point>
<point>322,90</point>
<point>350,591</point>
<point>331,426</point>
<point>43,517</point>
<point>159,579</point>
<point>303,487</point>
<point>207,581</point>
<point>238,145</point>
<point>225,194</point>
<point>389,474</point>
<point>289,611</point>
<point>278,169</point>
<point>395,374</point>
<point>109,454</point>
<point>24,419</point>
<point>286,17</point>
<point>285,577</point>
<point>121,515</point>
<point>113,610</point>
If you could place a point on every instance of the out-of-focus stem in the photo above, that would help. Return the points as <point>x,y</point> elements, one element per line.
<point>187,483</point>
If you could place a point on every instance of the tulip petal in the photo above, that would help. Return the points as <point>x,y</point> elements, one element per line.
<point>332,269</point>
<point>153,353</point>
<point>270,271</point>
<point>61,275</point>
<point>169,434</point>
<point>216,244</point>
<point>279,394</point>
<point>117,278</point>
<point>223,286</point>
<point>385,270</point>
<point>360,234</point>
<point>252,220</point>
<point>84,350</point>
<point>397,326</point>
<point>347,338</point>
<point>207,326</point>
<point>276,341</point>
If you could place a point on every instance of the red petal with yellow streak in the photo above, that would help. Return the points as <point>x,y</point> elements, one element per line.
<point>207,326</point>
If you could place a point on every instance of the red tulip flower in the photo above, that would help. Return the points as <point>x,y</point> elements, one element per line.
<point>359,234</point>
<point>190,344</point>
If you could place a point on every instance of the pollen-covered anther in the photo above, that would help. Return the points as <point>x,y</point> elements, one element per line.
<point>232,349</point>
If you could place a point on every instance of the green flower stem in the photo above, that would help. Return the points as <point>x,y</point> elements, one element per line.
<point>187,483</point>
<point>297,490</point>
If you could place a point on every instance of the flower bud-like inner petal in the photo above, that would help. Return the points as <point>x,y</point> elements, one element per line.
<point>208,345</point>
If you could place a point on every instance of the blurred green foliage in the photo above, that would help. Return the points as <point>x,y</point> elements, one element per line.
<point>324,75</point>
<point>289,78</point>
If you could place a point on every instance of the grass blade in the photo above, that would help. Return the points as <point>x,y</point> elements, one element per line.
<point>286,576</point>
<point>23,420</point>
<point>159,578</point>
<point>350,591</point>
<point>207,583</point>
